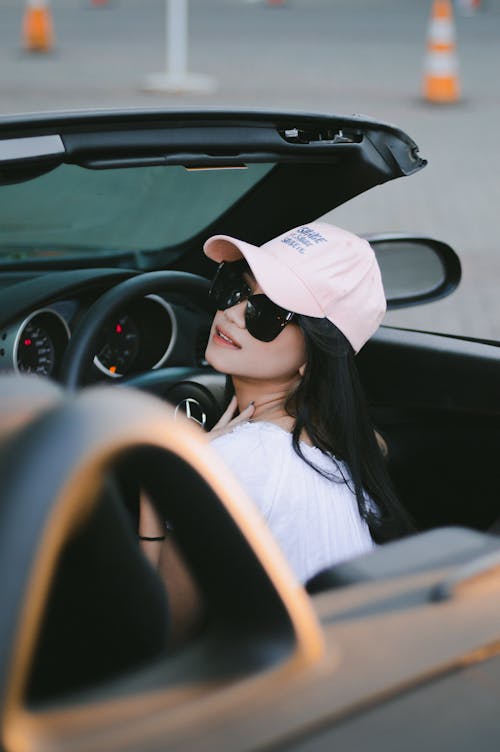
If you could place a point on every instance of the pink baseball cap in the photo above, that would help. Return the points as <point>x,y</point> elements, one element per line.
<point>318,270</point>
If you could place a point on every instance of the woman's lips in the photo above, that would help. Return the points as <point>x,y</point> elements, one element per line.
<point>220,337</point>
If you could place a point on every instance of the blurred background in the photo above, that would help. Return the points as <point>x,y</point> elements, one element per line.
<point>326,56</point>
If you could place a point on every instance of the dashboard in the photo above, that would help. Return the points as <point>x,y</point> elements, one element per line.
<point>149,333</point>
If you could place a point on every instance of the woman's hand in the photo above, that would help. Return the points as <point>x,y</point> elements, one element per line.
<point>227,422</point>
<point>150,526</point>
<point>185,600</point>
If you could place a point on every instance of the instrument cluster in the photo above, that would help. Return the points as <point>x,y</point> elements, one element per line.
<point>140,338</point>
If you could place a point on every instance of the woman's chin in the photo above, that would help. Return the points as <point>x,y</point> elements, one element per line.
<point>213,360</point>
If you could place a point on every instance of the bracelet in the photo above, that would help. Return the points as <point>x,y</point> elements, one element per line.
<point>155,538</point>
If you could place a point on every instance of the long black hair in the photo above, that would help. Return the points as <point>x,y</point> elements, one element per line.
<point>330,406</point>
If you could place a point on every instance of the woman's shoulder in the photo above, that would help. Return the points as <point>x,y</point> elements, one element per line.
<point>257,455</point>
<point>263,437</point>
<point>253,434</point>
<point>257,446</point>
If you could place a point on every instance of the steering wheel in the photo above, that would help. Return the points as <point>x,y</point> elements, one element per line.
<point>197,392</point>
<point>82,609</point>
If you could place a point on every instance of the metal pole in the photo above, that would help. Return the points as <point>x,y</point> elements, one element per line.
<point>176,36</point>
<point>176,79</point>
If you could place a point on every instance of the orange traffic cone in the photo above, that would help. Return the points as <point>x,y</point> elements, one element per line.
<point>441,67</point>
<point>468,7</point>
<point>38,32</point>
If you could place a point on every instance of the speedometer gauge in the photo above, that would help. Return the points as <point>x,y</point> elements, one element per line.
<point>39,343</point>
<point>35,351</point>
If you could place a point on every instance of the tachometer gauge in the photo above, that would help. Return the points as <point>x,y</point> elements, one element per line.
<point>120,346</point>
<point>137,339</point>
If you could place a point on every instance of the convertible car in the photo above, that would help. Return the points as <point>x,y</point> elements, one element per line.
<point>104,318</point>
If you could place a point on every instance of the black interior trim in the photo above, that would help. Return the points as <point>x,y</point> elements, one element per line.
<point>405,368</point>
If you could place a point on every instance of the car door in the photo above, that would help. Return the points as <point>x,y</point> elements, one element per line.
<point>436,401</point>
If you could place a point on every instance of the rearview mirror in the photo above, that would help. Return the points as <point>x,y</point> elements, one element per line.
<point>415,269</point>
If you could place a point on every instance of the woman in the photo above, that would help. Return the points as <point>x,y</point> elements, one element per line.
<point>290,317</point>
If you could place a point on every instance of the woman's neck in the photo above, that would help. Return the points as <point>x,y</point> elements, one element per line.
<point>269,398</point>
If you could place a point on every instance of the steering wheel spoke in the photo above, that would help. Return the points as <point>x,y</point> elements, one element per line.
<point>196,393</point>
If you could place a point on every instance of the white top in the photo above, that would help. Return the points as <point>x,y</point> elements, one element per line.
<point>315,520</point>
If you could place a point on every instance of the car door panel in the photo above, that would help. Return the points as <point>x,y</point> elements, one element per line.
<point>435,399</point>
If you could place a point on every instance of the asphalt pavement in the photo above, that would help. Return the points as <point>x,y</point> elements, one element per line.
<point>330,56</point>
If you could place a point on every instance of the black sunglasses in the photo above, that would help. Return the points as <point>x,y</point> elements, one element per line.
<point>264,319</point>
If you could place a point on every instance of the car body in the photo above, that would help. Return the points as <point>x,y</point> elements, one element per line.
<point>104,317</point>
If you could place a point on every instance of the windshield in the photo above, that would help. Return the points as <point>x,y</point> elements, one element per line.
<point>73,211</point>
